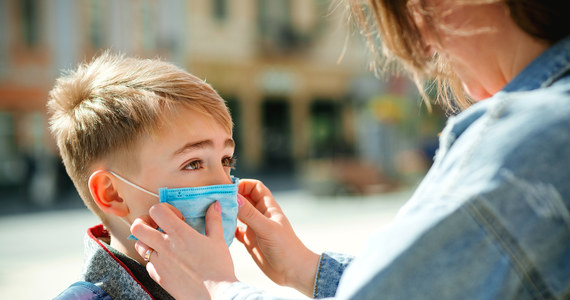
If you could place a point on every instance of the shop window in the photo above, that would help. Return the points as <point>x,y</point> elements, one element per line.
<point>30,26</point>
<point>220,9</point>
<point>276,134</point>
<point>326,128</point>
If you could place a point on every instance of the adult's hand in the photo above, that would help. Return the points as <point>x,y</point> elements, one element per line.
<point>184,262</point>
<point>271,241</point>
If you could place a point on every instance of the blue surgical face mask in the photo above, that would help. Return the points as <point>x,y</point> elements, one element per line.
<point>193,202</point>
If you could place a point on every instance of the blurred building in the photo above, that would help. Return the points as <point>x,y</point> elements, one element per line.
<point>296,109</point>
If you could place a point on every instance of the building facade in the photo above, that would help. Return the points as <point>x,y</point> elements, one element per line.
<point>276,62</point>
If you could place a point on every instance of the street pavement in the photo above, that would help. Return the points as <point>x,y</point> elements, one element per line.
<point>41,252</point>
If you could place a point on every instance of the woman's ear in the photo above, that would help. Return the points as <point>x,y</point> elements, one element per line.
<point>104,192</point>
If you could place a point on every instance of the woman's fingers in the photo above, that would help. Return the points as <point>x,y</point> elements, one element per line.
<point>248,239</point>
<point>151,269</point>
<point>169,221</point>
<point>246,186</point>
<point>176,211</point>
<point>251,216</point>
<point>214,226</point>
<point>240,232</point>
<point>148,220</point>
<point>146,233</point>
<point>255,191</point>
<point>180,259</point>
<point>142,249</point>
<point>173,209</point>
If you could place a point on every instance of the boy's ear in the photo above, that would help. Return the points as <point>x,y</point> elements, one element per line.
<point>105,193</point>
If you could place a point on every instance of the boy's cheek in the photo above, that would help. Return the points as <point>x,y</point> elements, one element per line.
<point>141,207</point>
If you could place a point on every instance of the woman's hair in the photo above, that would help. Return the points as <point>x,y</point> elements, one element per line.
<point>389,25</point>
<point>99,111</point>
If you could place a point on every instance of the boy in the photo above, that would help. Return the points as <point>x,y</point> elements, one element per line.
<point>122,123</point>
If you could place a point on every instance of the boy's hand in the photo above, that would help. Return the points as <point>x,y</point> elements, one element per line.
<point>271,241</point>
<point>184,262</point>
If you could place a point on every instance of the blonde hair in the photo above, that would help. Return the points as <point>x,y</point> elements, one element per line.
<point>99,111</point>
<point>392,24</point>
<point>390,27</point>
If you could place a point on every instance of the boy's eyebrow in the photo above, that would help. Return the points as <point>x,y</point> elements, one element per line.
<point>194,146</point>
<point>229,143</point>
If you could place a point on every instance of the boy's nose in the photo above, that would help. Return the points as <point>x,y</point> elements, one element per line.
<point>220,177</point>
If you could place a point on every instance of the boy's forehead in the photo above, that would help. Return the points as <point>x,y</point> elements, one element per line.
<point>174,113</point>
<point>185,118</point>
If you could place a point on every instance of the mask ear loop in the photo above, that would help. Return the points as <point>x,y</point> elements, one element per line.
<point>133,185</point>
<point>132,237</point>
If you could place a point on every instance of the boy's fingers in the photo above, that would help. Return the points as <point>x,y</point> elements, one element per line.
<point>214,227</point>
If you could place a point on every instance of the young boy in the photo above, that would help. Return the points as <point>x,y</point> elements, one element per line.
<point>122,123</point>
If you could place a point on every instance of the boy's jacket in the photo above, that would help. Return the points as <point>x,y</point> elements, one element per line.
<point>109,274</point>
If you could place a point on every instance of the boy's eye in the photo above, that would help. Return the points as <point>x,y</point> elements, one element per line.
<point>193,165</point>
<point>229,161</point>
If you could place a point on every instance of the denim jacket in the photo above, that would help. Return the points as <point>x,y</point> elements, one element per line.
<point>491,218</point>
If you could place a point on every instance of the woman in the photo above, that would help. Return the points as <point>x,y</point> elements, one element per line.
<point>490,219</point>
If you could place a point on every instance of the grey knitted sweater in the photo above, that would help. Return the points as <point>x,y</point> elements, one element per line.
<point>117,274</point>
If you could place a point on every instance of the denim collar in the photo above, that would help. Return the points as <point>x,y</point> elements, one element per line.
<point>551,65</point>
<point>548,67</point>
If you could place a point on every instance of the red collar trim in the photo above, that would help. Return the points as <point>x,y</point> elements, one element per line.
<point>99,231</point>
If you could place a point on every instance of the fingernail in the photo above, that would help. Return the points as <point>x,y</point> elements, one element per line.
<point>217,206</point>
<point>240,200</point>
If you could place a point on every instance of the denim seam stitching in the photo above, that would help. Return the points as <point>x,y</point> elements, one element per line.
<point>90,286</point>
<point>488,119</point>
<point>319,266</point>
<point>509,245</point>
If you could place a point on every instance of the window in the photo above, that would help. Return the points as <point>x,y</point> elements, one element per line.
<point>276,136</point>
<point>29,13</point>
<point>326,128</point>
<point>273,16</point>
<point>220,9</point>
<point>96,24</point>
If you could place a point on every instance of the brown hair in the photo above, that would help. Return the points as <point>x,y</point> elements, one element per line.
<point>99,111</point>
<point>393,23</point>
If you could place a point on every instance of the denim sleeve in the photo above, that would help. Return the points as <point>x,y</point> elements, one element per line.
<point>83,290</point>
<point>331,267</point>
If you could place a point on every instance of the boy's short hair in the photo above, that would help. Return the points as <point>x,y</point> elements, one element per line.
<point>99,111</point>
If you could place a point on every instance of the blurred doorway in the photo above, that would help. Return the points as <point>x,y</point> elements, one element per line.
<point>276,134</point>
<point>326,129</point>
